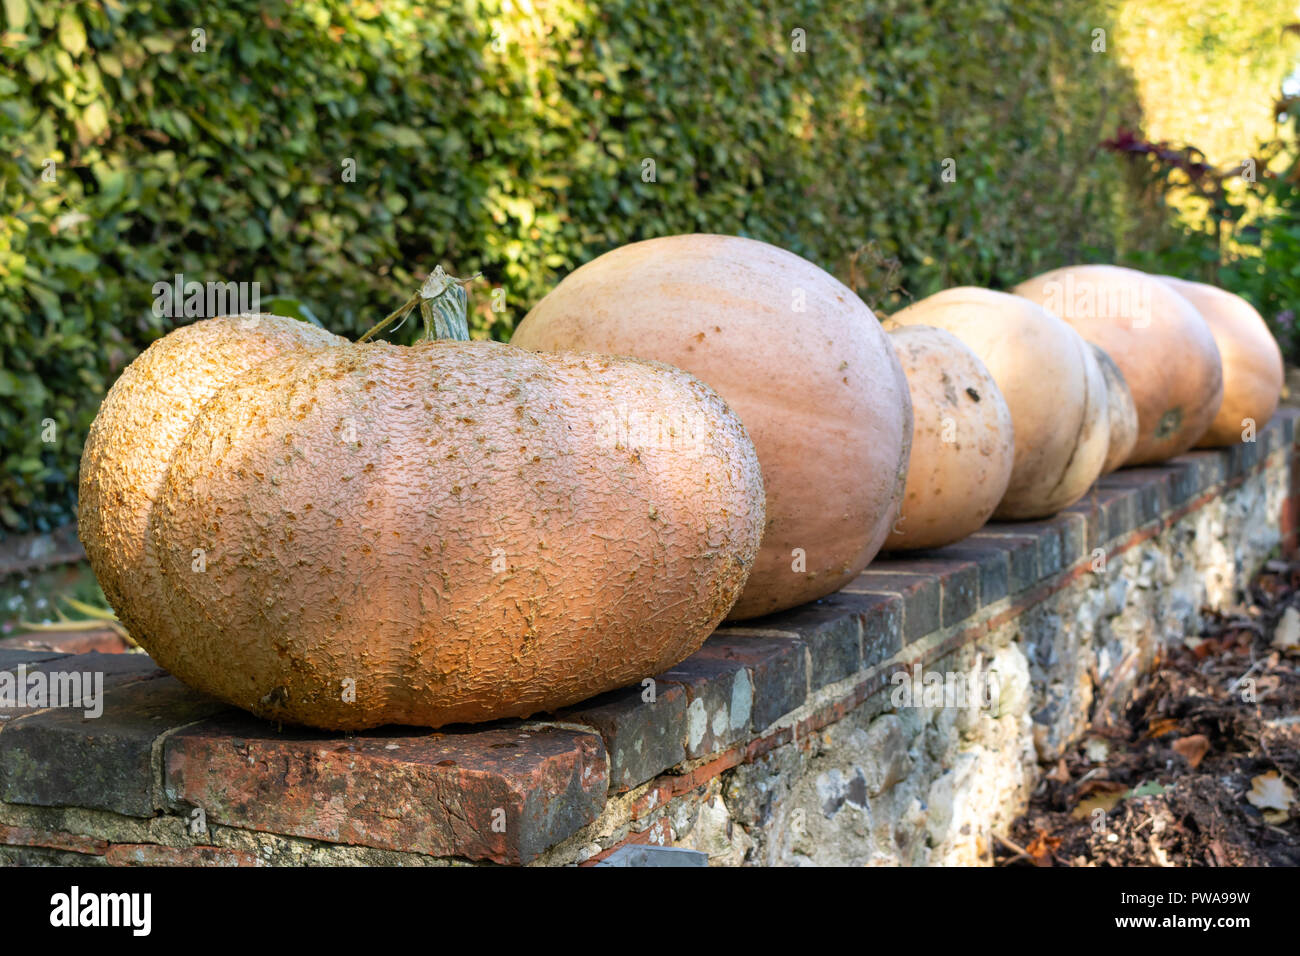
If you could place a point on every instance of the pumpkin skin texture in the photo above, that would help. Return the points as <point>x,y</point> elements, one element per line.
<point>1156,337</point>
<point>819,390</point>
<point>141,422</point>
<point>1123,415</point>
<point>463,529</point>
<point>1051,383</point>
<point>1252,362</point>
<point>963,443</point>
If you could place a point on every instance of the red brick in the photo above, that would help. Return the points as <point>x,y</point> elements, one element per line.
<point>103,640</point>
<point>433,793</point>
<point>151,854</point>
<point>53,839</point>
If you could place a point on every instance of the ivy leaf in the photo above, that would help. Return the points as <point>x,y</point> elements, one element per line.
<point>16,14</point>
<point>72,35</point>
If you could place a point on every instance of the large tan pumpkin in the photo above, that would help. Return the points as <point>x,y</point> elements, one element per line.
<point>1123,415</point>
<point>354,535</point>
<point>1252,362</point>
<point>1051,383</point>
<point>799,357</point>
<point>963,443</point>
<point>140,423</point>
<point>1156,337</point>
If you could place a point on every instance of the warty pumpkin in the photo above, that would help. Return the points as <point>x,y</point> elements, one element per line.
<point>963,442</point>
<point>352,535</point>
<point>1123,416</point>
<point>1157,338</point>
<point>1253,373</point>
<point>796,354</point>
<point>1051,383</point>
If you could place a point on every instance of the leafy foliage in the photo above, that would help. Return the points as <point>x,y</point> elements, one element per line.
<point>214,139</point>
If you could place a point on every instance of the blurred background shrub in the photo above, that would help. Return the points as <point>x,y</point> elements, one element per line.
<point>142,140</point>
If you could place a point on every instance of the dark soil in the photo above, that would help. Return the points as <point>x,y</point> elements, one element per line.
<point>1213,731</point>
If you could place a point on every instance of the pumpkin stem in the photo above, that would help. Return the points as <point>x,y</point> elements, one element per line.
<point>442,300</point>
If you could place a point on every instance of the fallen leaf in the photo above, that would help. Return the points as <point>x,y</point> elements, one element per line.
<point>1104,800</point>
<point>1096,749</point>
<point>1060,773</point>
<point>1287,635</point>
<point>1158,728</point>
<point>1192,749</point>
<point>1271,794</point>
<point>1041,847</point>
<point>1148,788</point>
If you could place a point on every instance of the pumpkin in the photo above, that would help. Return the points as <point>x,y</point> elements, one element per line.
<point>1252,362</point>
<point>1051,383</point>
<point>963,444</point>
<point>1123,416</point>
<point>796,354</point>
<point>1157,338</point>
<point>351,535</point>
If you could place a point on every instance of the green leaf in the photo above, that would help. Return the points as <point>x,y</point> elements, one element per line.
<point>16,14</point>
<point>72,35</point>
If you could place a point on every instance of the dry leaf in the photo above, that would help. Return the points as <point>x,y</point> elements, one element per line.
<point>1192,749</point>
<point>1271,794</point>
<point>1060,773</point>
<point>1096,749</point>
<point>1102,800</point>
<point>1041,847</point>
<point>1158,728</point>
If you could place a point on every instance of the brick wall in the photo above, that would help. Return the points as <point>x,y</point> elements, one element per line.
<point>780,741</point>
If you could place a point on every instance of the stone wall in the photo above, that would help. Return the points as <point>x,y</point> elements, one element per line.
<point>786,741</point>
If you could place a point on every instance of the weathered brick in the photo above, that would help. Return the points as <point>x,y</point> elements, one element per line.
<point>922,597</point>
<point>118,669</point>
<point>150,854</point>
<point>881,617</point>
<point>832,631</point>
<point>720,702</point>
<point>52,839</point>
<point>1120,506</point>
<point>643,738</point>
<point>12,657</point>
<point>103,640</point>
<point>777,666</point>
<point>1211,467</point>
<point>1152,486</point>
<point>1184,482</point>
<point>57,758</point>
<point>1023,550</point>
<point>494,793</point>
<point>994,566</point>
<point>958,583</point>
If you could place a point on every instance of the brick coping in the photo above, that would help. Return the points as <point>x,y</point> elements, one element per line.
<point>506,792</point>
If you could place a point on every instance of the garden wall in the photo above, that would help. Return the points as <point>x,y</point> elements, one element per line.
<point>783,741</point>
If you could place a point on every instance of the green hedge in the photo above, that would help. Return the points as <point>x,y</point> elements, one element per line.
<point>513,144</point>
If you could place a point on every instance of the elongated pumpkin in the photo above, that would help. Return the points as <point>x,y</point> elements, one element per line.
<point>963,442</point>
<point>363,534</point>
<point>1123,416</point>
<point>799,357</point>
<point>1051,383</point>
<point>1157,338</point>
<point>1252,362</point>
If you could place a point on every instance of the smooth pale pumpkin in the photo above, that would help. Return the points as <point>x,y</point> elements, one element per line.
<point>1252,362</point>
<point>963,443</point>
<point>1157,338</point>
<point>1123,414</point>
<point>1051,383</point>
<point>799,357</point>
<point>449,532</point>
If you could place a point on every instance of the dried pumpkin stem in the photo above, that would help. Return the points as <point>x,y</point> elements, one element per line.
<point>443,302</point>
